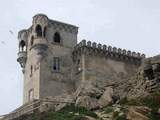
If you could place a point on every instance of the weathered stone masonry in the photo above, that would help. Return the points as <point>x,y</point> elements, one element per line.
<point>103,64</point>
<point>54,64</point>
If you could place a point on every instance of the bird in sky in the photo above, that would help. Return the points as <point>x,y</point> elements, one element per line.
<point>11,32</point>
<point>3,42</point>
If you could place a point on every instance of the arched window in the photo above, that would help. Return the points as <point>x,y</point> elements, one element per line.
<point>39,31</point>
<point>32,40</point>
<point>31,94</point>
<point>44,32</point>
<point>57,37</point>
<point>31,70</point>
<point>22,46</point>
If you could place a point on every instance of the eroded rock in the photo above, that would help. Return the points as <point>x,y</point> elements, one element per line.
<point>106,98</point>
<point>138,113</point>
<point>87,102</point>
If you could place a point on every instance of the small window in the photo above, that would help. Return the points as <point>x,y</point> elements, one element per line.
<point>78,61</point>
<point>44,32</point>
<point>31,94</point>
<point>39,31</point>
<point>56,64</point>
<point>78,65</point>
<point>32,40</point>
<point>57,37</point>
<point>22,46</point>
<point>31,70</point>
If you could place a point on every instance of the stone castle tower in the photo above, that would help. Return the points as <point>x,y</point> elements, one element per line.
<point>45,51</point>
<point>54,64</point>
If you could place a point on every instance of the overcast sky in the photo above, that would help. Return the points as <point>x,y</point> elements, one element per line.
<point>130,24</point>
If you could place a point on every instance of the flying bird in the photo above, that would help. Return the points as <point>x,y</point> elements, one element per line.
<point>11,32</point>
<point>3,42</point>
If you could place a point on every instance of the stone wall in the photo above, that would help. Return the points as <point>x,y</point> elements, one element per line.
<point>53,83</point>
<point>79,63</point>
<point>104,66</point>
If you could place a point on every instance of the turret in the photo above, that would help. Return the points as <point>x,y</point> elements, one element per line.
<point>38,40</point>
<point>22,53</point>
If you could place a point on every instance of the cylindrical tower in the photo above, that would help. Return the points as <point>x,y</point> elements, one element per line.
<point>38,40</point>
<point>22,53</point>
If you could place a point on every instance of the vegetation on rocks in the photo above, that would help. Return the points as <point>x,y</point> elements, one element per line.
<point>152,101</point>
<point>67,113</point>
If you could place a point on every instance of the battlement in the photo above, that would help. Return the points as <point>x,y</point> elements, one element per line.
<point>44,21</point>
<point>67,27</point>
<point>92,48</point>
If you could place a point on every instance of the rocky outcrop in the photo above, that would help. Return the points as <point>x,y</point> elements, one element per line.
<point>92,97</point>
<point>147,79</point>
<point>89,88</point>
<point>106,98</point>
<point>87,102</point>
<point>138,113</point>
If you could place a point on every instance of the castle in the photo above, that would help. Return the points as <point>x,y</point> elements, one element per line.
<point>53,63</point>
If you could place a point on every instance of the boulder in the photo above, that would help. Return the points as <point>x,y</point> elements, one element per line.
<point>87,102</point>
<point>106,98</point>
<point>89,89</point>
<point>138,113</point>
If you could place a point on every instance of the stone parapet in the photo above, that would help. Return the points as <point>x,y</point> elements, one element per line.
<point>92,48</point>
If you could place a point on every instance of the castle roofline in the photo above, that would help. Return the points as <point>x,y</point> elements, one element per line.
<point>55,21</point>
<point>22,33</point>
<point>88,47</point>
<point>40,14</point>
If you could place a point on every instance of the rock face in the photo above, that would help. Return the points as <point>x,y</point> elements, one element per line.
<point>90,89</point>
<point>87,102</point>
<point>106,98</point>
<point>87,95</point>
<point>147,79</point>
<point>93,97</point>
<point>138,113</point>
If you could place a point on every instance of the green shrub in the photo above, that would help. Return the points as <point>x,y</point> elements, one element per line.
<point>153,116</point>
<point>70,113</point>
<point>125,101</point>
<point>123,117</point>
<point>34,116</point>
<point>116,116</point>
<point>152,102</point>
<point>108,110</point>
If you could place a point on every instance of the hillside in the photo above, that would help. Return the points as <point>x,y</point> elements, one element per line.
<point>147,108</point>
<point>135,98</point>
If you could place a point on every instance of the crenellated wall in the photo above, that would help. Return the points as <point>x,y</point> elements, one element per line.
<point>108,51</point>
<point>103,64</point>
